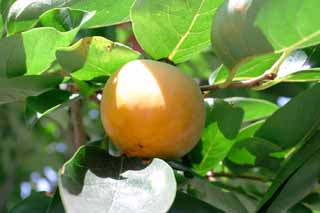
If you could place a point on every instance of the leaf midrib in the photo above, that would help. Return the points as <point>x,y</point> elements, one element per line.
<point>185,35</point>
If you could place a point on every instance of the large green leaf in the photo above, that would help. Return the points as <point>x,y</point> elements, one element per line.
<point>296,161</point>
<point>295,122</point>
<point>33,51</point>
<point>184,203</point>
<point>24,15</point>
<point>93,57</point>
<point>289,24</point>
<point>174,29</point>
<point>248,28</point>
<point>93,181</point>
<point>19,88</point>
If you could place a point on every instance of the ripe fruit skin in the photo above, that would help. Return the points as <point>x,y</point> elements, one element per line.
<point>152,109</point>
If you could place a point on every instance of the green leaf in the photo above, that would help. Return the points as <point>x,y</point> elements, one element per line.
<point>214,147</point>
<point>93,181</point>
<point>312,201</point>
<point>37,202</point>
<point>247,70</point>
<point>300,184</point>
<point>19,88</point>
<point>254,109</point>
<point>263,27</point>
<point>296,161</point>
<point>228,117</point>
<point>299,208</point>
<point>174,29</point>
<point>38,106</point>
<point>295,122</point>
<point>1,26</point>
<point>33,51</point>
<point>56,205</point>
<point>184,203</point>
<point>93,57</point>
<point>200,65</point>
<point>23,15</point>
<point>293,28</point>
<point>215,196</point>
<point>308,75</point>
<point>252,151</point>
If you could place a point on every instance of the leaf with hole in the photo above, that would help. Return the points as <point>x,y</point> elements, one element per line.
<point>93,181</point>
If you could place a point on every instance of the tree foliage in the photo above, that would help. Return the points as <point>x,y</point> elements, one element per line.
<point>257,63</point>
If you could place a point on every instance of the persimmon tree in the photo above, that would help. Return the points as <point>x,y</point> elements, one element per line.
<point>189,110</point>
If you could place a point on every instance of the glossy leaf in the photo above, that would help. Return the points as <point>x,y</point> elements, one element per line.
<point>19,88</point>
<point>174,29</point>
<point>23,15</point>
<point>93,57</point>
<point>33,51</point>
<point>295,122</point>
<point>294,28</point>
<point>82,177</point>
<point>263,27</point>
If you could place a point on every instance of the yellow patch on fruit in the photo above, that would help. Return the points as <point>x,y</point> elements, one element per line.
<point>152,109</point>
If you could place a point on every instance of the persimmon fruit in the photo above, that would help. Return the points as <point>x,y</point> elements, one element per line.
<point>152,109</point>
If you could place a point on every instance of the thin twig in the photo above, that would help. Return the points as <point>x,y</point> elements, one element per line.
<point>229,175</point>
<point>79,133</point>
<point>240,84</point>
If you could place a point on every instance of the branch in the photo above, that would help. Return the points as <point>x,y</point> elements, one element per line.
<point>229,175</point>
<point>8,185</point>
<point>240,84</point>
<point>79,133</point>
